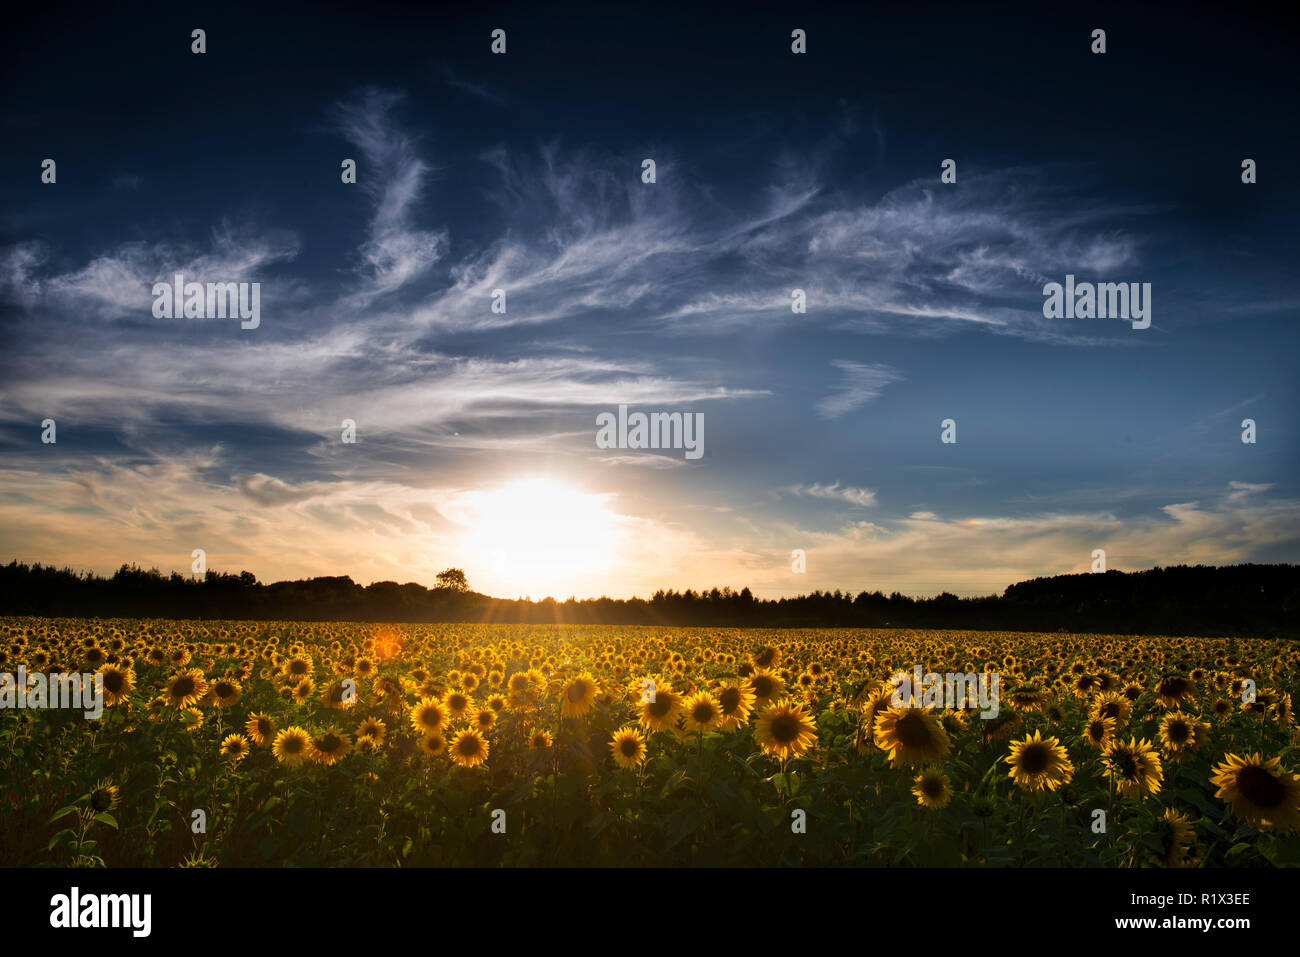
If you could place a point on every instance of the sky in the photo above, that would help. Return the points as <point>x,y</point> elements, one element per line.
<point>476,430</point>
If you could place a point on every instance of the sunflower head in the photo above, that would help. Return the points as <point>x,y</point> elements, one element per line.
<point>1258,791</point>
<point>577,695</point>
<point>469,750</point>
<point>235,747</point>
<point>785,730</point>
<point>628,747</point>
<point>1038,763</point>
<point>911,736</point>
<point>932,789</point>
<point>104,796</point>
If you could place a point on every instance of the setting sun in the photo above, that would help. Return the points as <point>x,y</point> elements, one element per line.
<point>535,535</point>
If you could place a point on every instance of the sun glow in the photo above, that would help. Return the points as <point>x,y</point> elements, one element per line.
<point>537,537</point>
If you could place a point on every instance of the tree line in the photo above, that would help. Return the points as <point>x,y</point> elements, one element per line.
<point>1261,600</point>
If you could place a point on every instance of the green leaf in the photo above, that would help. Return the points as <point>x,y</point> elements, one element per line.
<point>103,817</point>
<point>62,812</point>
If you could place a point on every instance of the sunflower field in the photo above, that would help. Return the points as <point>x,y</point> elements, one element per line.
<point>226,743</point>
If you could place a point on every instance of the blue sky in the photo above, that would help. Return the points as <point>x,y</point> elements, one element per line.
<point>774,171</point>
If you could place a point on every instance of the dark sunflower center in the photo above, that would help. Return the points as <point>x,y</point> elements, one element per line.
<point>1035,758</point>
<point>1178,731</point>
<point>932,787</point>
<point>330,743</point>
<point>1110,710</point>
<point>113,681</point>
<point>785,728</point>
<point>702,713</point>
<point>729,700</point>
<point>577,692</point>
<point>1260,788</point>
<point>1126,763</point>
<point>184,686</point>
<point>468,747</point>
<point>628,747</point>
<point>659,707</point>
<point>912,730</point>
<point>763,686</point>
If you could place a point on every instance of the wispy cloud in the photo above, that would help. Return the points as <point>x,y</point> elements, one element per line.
<point>860,383</point>
<point>863,497</point>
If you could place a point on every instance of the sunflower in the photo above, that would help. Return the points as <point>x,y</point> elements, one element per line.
<point>1175,833</point>
<point>428,715</point>
<point>1098,731</point>
<point>340,694</point>
<point>1258,791</point>
<point>701,713</point>
<point>540,740</point>
<point>954,722</point>
<point>1027,697</point>
<point>1133,767</point>
<point>735,702</point>
<point>628,747</point>
<point>290,745</point>
<point>118,683</point>
<point>186,687</point>
<point>302,691</point>
<point>469,749</point>
<point>457,704</point>
<point>260,728</point>
<point>765,686</point>
<point>225,692</point>
<point>104,796</point>
<point>483,719</point>
<point>932,788</point>
<point>330,747</point>
<point>368,744</point>
<point>1180,734</point>
<point>577,695</point>
<point>235,747</point>
<point>1280,711</point>
<point>911,736</point>
<point>372,728</point>
<point>1038,763</point>
<point>1173,690</point>
<point>298,667</point>
<point>1112,705</point>
<point>1083,686</point>
<point>785,730</point>
<point>661,713</point>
